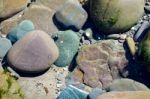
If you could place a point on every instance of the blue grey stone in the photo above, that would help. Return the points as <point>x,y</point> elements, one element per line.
<point>140,33</point>
<point>5,45</point>
<point>20,30</point>
<point>68,44</point>
<point>72,92</point>
<point>96,92</point>
<point>71,15</point>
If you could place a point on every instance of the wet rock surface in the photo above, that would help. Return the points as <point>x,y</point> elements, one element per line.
<point>100,49</point>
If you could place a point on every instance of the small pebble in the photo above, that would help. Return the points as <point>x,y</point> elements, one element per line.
<point>13,73</point>
<point>131,45</point>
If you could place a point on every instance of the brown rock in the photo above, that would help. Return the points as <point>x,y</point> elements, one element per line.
<point>101,62</point>
<point>34,53</point>
<point>7,25</point>
<point>42,18</point>
<point>52,4</point>
<point>10,7</point>
<point>126,95</point>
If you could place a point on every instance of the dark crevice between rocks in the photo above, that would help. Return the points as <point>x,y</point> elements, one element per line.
<point>73,64</point>
<point>61,27</point>
<point>96,34</point>
<point>6,64</point>
<point>135,68</point>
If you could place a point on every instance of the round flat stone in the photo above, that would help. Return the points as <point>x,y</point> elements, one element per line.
<point>33,53</point>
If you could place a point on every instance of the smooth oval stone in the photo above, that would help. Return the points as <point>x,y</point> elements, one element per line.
<point>127,85</point>
<point>21,30</point>
<point>33,53</point>
<point>71,15</point>
<point>115,16</point>
<point>11,7</point>
<point>131,45</point>
<point>5,45</point>
<point>68,44</point>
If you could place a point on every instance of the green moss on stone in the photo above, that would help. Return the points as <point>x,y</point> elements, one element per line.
<point>9,88</point>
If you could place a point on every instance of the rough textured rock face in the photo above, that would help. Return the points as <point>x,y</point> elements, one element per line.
<point>41,16</point>
<point>126,85</point>
<point>10,7</point>
<point>144,49</point>
<point>125,95</point>
<point>101,62</point>
<point>33,53</point>
<point>116,16</point>
<point>9,88</point>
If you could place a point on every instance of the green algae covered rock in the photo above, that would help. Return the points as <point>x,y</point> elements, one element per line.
<point>68,44</point>
<point>9,88</point>
<point>115,16</point>
<point>145,50</point>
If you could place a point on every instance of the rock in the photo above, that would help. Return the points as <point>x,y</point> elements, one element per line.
<point>131,45</point>
<point>55,5</point>
<point>95,92</point>
<point>68,44</point>
<point>83,2</point>
<point>112,16</point>
<point>9,7</point>
<point>126,95</point>
<point>7,25</point>
<point>144,50</point>
<point>41,16</point>
<point>89,33</point>
<point>42,86</point>
<point>126,85</point>
<point>9,87</point>
<point>33,53</point>
<point>26,26</point>
<point>102,62</point>
<point>147,7</point>
<point>71,15</point>
<point>72,92</point>
<point>113,36</point>
<point>52,4</point>
<point>138,36</point>
<point>5,45</point>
